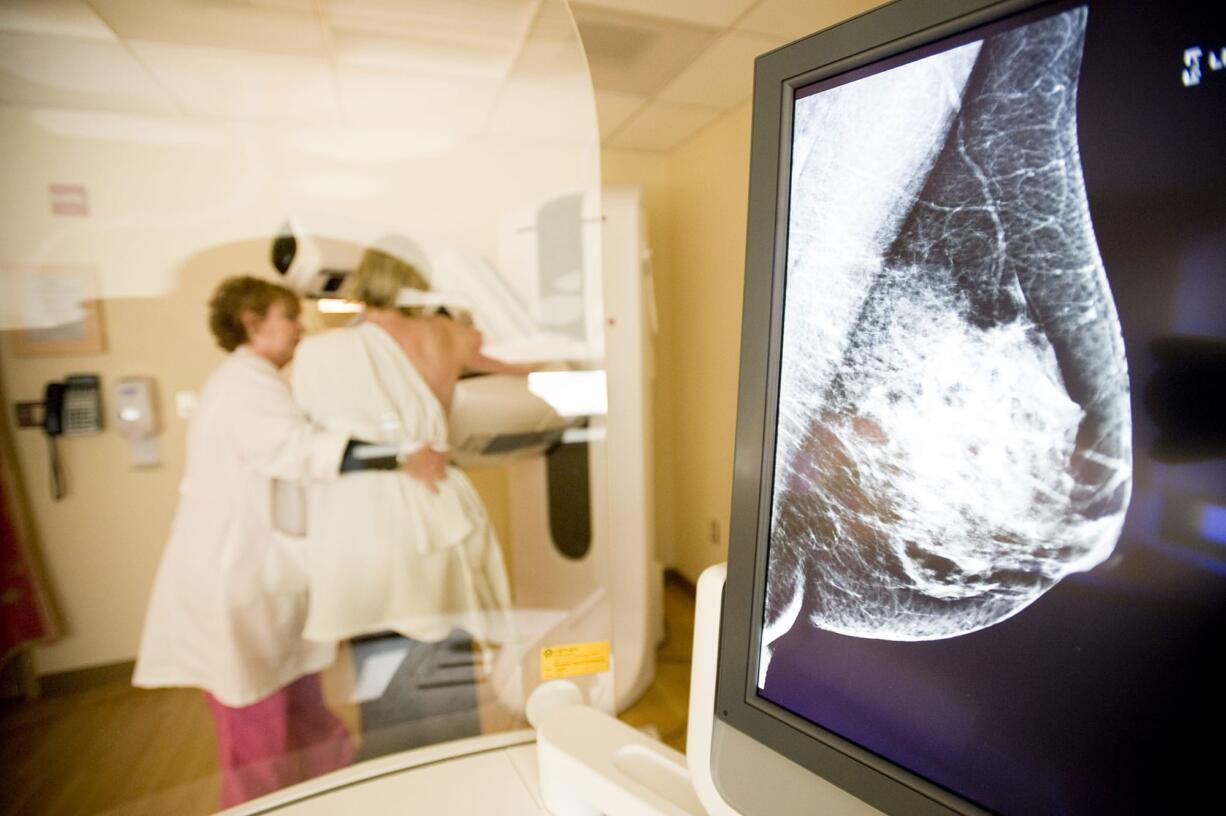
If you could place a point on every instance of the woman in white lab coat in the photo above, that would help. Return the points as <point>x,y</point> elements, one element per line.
<point>229,600</point>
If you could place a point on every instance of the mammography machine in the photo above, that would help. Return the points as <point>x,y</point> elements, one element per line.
<point>585,310</point>
<point>976,558</point>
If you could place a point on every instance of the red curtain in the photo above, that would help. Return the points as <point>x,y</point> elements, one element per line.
<point>26,614</point>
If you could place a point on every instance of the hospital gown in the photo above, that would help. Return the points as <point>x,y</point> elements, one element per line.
<point>384,552</point>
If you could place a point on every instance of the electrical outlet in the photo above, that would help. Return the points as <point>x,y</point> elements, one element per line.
<point>713,531</point>
<point>29,414</point>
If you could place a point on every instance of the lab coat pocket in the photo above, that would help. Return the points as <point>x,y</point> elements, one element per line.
<point>284,570</point>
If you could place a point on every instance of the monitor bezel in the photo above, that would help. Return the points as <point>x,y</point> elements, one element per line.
<point>877,35</point>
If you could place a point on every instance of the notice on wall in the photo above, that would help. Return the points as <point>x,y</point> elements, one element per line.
<point>55,309</point>
<point>50,300</point>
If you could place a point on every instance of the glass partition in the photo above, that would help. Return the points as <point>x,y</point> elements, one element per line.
<point>387,541</point>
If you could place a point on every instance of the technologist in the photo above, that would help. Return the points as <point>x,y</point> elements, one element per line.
<point>229,600</point>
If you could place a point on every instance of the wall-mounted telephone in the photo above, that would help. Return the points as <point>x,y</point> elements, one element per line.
<point>73,406</point>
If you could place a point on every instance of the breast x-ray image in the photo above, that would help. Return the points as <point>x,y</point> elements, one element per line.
<point>954,432</point>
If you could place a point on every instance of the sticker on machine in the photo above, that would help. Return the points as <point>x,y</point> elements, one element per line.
<point>574,660</point>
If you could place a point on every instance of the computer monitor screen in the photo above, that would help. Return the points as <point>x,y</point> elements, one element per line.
<point>980,505</point>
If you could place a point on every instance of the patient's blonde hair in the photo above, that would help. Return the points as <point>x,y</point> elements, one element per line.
<point>380,277</point>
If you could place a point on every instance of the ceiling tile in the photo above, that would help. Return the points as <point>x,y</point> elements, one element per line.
<point>547,98</point>
<point>722,76</point>
<point>64,18</point>
<point>426,56</point>
<point>299,6</point>
<point>476,22</point>
<point>464,38</point>
<point>537,112</point>
<point>613,109</point>
<point>41,71</point>
<point>429,104</point>
<point>632,54</point>
<point>552,48</point>
<point>721,13</point>
<point>243,85</point>
<point>128,128</point>
<point>662,126</point>
<point>356,145</point>
<point>230,25</point>
<point>793,19</point>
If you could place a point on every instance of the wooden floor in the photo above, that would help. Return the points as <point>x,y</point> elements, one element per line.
<point>120,751</point>
<point>665,705</point>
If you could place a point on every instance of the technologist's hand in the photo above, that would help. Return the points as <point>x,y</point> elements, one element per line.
<point>427,466</point>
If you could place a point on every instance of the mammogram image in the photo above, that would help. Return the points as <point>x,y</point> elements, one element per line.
<point>954,434</point>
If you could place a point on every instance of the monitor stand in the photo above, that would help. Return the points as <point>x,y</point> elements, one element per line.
<point>592,763</point>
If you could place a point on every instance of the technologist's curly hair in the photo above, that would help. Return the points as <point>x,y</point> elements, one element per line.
<point>241,294</point>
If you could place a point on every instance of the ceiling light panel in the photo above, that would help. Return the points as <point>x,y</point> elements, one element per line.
<point>793,19</point>
<point>722,76</point>
<point>41,71</point>
<point>719,13</point>
<point>63,18</point>
<point>228,24</point>
<point>243,85</point>
<point>633,54</point>
<point>661,126</point>
<point>127,128</point>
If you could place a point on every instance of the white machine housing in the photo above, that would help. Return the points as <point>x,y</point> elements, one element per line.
<point>613,589</point>
<point>620,576</point>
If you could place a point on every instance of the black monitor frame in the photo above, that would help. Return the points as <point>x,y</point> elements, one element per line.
<point>877,35</point>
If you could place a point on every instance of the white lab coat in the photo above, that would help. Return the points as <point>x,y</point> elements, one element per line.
<point>229,599</point>
<point>383,551</point>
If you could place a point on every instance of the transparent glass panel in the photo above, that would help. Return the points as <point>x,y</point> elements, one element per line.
<point>211,515</point>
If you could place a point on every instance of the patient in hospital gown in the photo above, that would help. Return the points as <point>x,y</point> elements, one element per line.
<point>389,551</point>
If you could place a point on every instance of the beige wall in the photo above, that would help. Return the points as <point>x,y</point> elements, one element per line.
<point>188,189</point>
<point>696,198</point>
<point>711,173</point>
<point>102,542</point>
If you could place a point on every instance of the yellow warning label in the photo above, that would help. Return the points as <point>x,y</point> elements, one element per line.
<point>574,660</point>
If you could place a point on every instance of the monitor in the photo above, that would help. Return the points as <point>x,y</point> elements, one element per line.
<point>977,550</point>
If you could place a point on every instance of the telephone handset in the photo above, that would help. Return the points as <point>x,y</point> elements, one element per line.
<point>71,407</point>
<point>53,408</point>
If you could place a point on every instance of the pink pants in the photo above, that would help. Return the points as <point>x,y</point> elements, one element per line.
<point>283,739</point>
